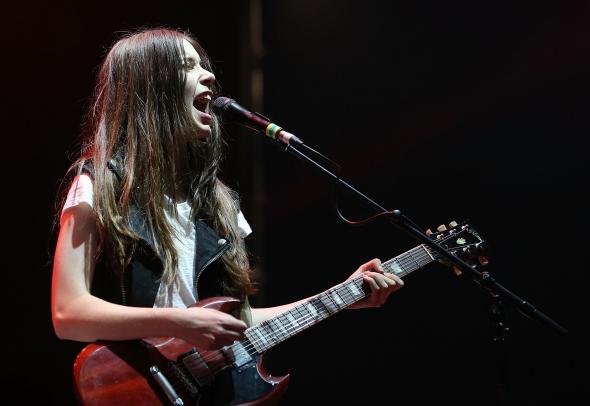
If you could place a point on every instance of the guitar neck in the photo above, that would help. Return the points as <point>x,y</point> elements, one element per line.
<point>273,331</point>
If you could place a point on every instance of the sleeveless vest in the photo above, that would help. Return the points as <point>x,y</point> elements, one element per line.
<point>139,284</point>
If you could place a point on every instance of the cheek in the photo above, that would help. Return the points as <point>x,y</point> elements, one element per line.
<point>190,89</point>
<point>187,95</point>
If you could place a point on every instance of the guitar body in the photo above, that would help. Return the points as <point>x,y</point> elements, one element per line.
<point>120,373</point>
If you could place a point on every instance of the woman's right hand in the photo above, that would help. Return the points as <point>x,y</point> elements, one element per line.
<point>208,329</point>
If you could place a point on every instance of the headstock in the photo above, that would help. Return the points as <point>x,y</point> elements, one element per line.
<point>462,240</point>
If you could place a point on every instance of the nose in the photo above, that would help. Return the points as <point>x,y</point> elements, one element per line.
<point>207,78</point>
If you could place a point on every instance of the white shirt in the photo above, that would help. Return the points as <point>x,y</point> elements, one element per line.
<point>180,294</point>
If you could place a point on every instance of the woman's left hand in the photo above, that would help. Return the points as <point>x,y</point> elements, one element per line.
<point>381,284</point>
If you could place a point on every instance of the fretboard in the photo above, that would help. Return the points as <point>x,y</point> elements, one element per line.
<point>273,331</point>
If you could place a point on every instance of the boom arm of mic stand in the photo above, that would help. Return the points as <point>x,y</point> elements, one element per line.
<point>399,219</point>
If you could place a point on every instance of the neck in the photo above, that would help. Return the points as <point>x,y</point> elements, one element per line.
<point>277,329</point>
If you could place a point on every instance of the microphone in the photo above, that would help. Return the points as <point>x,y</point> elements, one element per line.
<point>230,109</point>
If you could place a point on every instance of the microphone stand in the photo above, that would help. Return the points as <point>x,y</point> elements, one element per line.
<point>402,221</point>
<point>497,315</point>
<point>483,279</point>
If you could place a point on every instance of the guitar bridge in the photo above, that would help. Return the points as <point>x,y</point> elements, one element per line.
<point>183,377</point>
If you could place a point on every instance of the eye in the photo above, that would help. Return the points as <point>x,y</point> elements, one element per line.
<point>190,64</point>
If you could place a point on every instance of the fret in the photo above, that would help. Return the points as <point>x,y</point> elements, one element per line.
<point>277,325</point>
<point>427,251</point>
<point>328,303</point>
<point>268,333</point>
<point>394,267</point>
<point>424,257</point>
<point>292,320</point>
<point>355,290</point>
<point>282,321</point>
<point>320,307</point>
<point>260,334</point>
<point>413,259</point>
<point>305,319</point>
<point>311,310</point>
<point>299,315</point>
<point>346,294</point>
<point>332,300</point>
<point>342,295</point>
<point>408,262</point>
<point>336,298</point>
<point>288,322</point>
<point>256,338</point>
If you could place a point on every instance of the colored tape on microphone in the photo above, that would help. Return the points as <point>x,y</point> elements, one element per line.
<point>272,130</point>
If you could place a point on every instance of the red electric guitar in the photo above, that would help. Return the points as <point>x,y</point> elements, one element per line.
<point>166,370</point>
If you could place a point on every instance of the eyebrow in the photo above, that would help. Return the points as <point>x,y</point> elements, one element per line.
<point>191,59</point>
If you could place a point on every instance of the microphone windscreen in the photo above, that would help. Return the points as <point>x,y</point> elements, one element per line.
<point>220,104</point>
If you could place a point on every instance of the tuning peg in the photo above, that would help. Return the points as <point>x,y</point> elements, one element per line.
<point>457,271</point>
<point>453,224</point>
<point>442,227</point>
<point>428,232</point>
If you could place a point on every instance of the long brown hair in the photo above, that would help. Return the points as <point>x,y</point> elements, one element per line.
<point>139,119</point>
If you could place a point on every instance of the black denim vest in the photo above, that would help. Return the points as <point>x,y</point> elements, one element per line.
<point>141,279</point>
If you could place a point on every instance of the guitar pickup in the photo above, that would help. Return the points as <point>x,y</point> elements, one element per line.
<point>237,354</point>
<point>198,368</point>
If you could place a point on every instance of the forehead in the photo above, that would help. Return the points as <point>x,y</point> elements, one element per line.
<point>189,50</point>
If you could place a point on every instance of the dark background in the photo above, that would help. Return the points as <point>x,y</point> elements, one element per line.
<point>444,110</point>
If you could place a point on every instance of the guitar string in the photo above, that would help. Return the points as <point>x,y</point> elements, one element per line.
<point>343,293</point>
<point>402,260</point>
<point>302,322</point>
<point>425,256</point>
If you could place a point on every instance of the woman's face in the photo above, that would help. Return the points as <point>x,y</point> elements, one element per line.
<point>197,90</point>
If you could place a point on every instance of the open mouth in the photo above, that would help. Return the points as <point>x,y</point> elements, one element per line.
<point>202,102</point>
